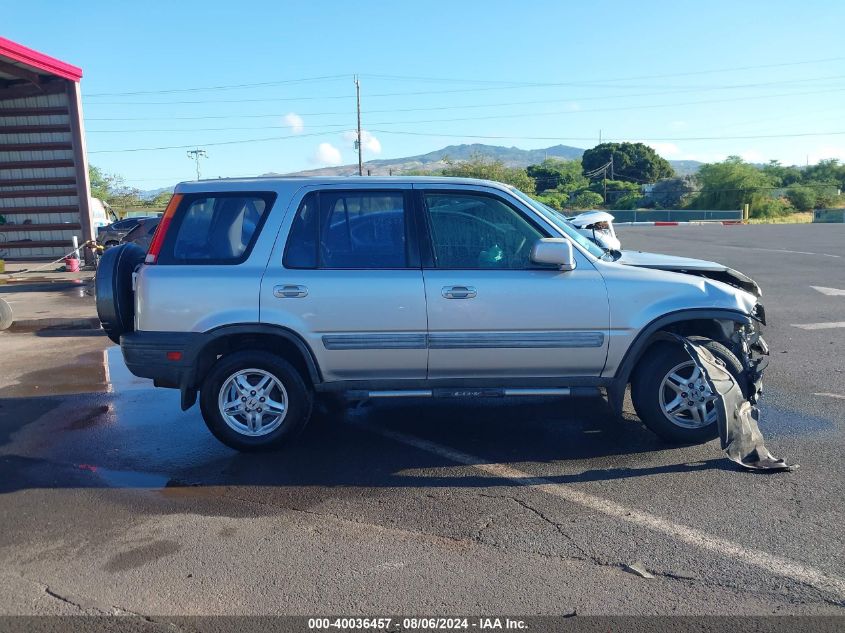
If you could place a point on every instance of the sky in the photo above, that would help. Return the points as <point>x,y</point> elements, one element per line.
<point>268,86</point>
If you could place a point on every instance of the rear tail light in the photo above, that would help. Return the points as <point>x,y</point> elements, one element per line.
<point>161,231</point>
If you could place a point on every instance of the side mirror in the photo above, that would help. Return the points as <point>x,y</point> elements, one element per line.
<point>556,251</point>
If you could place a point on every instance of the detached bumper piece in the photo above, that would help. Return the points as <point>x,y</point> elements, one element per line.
<point>738,417</point>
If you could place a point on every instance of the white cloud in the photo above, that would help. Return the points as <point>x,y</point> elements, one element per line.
<point>327,154</point>
<point>752,156</point>
<point>826,151</point>
<point>666,150</point>
<point>370,143</point>
<point>294,122</point>
<point>678,125</point>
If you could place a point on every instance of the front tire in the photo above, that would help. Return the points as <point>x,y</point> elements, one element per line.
<point>254,401</point>
<point>671,397</point>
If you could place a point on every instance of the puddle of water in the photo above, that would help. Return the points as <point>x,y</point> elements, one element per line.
<point>127,478</point>
<point>95,372</point>
<point>118,375</point>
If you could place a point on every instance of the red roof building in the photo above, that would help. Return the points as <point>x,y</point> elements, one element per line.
<point>44,186</point>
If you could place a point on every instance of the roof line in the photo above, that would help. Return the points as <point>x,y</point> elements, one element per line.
<point>22,54</point>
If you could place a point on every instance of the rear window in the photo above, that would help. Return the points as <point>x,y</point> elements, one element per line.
<point>348,230</point>
<point>217,228</point>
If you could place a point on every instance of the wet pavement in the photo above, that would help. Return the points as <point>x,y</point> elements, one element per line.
<point>114,500</point>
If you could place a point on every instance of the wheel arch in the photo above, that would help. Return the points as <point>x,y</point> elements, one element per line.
<point>714,323</point>
<point>230,338</point>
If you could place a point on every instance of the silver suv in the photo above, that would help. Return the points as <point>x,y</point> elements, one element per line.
<point>262,295</point>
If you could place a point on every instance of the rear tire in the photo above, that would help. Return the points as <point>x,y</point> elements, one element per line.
<point>655,393</point>
<point>255,401</point>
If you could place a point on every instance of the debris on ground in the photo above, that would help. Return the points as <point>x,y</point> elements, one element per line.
<point>738,416</point>
<point>639,570</point>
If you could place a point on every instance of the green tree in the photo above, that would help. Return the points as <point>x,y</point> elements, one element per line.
<point>480,167</point>
<point>99,183</point>
<point>112,188</point>
<point>633,162</point>
<point>671,193</point>
<point>615,189</point>
<point>827,171</point>
<point>554,199</point>
<point>561,175</point>
<point>780,175</point>
<point>732,184</point>
<point>628,201</point>
<point>161,199</point>
<point>587,200</point>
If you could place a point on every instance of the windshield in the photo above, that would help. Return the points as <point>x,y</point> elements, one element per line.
<point>560,221</point>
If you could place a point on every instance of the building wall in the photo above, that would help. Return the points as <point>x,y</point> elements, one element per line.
<point>43,204</point>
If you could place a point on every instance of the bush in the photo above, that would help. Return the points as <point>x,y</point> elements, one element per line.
<point>770,208</point>
<point>587,200</point>
<point>629,201</point>
<point>557,201</point>
<point>802,198</point>
<point>481,167</point>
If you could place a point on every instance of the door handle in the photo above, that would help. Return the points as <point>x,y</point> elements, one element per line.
<point>289,291</point>
<point>459,292</point>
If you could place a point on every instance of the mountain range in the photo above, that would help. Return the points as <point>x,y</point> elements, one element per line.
<point>433,161</point>
<point>436,160</point>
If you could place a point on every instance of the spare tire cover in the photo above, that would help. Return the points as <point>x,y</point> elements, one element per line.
<point>115,298</point>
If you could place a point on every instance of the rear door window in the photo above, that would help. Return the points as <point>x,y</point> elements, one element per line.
<point>348,230</point>
<point>219,228</point>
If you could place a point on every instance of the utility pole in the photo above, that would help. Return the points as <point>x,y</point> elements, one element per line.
<point>358,142</point>
<point>612,175</point>
<point>196,155</point>
<point>605,184</point>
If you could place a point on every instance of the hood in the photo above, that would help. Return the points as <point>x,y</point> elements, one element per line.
<point>686,265</point>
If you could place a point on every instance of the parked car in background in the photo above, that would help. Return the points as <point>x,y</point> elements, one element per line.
<point>102,215</point>
<point>142,233</point>
<point>112,234</point>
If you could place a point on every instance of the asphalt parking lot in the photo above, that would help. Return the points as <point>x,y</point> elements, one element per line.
<point>112,500</point>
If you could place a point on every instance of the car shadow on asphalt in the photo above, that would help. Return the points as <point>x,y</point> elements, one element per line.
<point>568,441</point>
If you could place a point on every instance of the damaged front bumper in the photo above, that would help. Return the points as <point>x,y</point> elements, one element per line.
<point>753,352</point>
<point>737,413</point>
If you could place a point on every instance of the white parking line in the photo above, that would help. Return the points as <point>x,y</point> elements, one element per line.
<point>770,563</point>
<point>781,250</point>
<point>831,292</point>
<point>830,395</point>
<point>819,326</point>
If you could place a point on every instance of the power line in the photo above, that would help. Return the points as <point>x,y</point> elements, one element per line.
<point>250,140</point>
<point>591,138</point>
<point>446,107</point>
<point>500,83</point>
<point>661,76</point>
<point>336,126</point>
<point>620,109</point>
<point>521,114</point>
<point>542,138</point>
<point>435,92</point>
<point>224,87</point>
